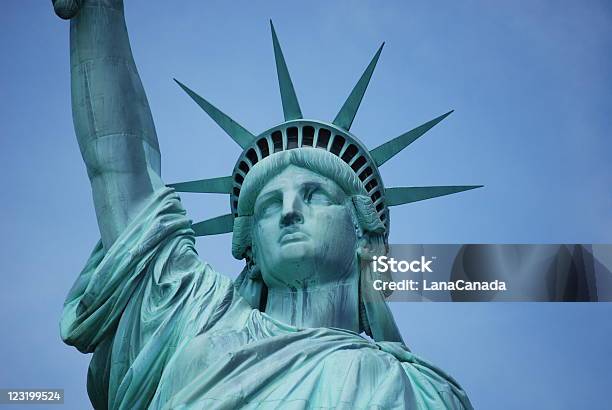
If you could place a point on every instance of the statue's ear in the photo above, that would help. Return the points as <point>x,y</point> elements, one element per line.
<point>254,272</point>
<point>364,249</point>
<point>371,244</point>
<point>249,254</point>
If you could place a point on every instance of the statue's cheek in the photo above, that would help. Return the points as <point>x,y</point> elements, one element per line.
<point>336,225</point>
<point>262,239</point>
<point>330,212</point>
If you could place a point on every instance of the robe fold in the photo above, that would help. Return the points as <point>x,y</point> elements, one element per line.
<point>168,332</point>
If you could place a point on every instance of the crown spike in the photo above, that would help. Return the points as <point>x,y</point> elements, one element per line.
<point>405,195</point>
<point>220,185</point>
<point>291,106</point>
<point>347,113</point>
<point>214,226</point>
<point>231,127</point>
<point>389,149</point>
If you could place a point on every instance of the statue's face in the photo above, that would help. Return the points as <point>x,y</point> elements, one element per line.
<point>303,234</point>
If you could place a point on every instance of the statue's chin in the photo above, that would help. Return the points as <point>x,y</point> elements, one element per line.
<point>298,264</point>
<point>294,267</point>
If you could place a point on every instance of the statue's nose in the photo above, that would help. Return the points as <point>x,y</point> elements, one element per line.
<point>292,210</point>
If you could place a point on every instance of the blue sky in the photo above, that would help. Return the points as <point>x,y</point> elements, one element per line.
<point>530,85</point>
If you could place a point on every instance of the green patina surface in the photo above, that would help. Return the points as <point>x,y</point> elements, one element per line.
<point>308,207</point>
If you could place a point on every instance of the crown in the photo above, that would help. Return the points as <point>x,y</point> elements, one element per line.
<point>297,132</point>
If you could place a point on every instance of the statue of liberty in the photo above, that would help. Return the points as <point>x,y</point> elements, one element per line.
<point>308,208</point>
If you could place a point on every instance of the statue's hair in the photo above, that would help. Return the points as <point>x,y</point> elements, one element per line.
<point>316,160</point>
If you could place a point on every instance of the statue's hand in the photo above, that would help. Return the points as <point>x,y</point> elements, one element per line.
<point>67,9</point>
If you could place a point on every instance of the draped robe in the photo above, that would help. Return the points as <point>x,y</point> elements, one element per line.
<point>168,332</point>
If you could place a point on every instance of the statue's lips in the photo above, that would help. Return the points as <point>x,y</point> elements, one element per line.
<point>290,237</point>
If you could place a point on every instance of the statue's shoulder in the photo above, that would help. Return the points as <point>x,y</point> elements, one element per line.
<point>390,376</point>
<point>428,376</point>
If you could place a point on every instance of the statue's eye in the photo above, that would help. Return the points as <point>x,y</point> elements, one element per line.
<point>308,195</point>
<point>268,207</point>
<point>317,196</point>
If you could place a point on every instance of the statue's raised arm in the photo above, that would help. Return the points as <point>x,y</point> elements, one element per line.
<point>143,290</point>
<point>112,119</point>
